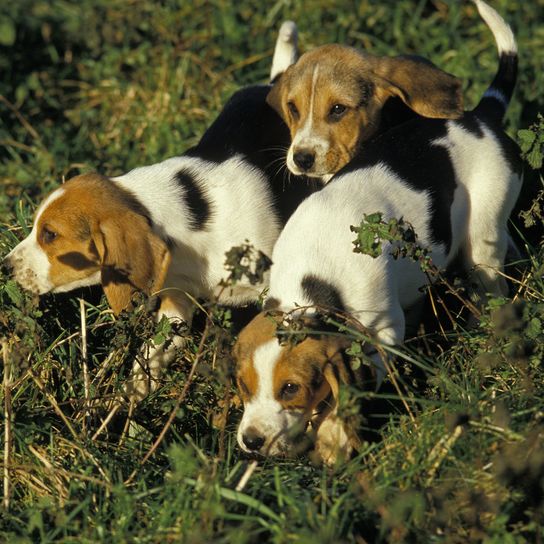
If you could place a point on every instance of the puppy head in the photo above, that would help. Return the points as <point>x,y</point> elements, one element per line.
<point>332,98</point>
<point>87,232</point>
<point>283,387</point>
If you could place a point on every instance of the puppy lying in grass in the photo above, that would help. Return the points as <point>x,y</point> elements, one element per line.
<point>455,182</point>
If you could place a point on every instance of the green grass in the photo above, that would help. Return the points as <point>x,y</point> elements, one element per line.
<point>109,85</point>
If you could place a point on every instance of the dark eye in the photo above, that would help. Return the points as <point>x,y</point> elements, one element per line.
<point>289,390</point>
<point>293,109</point>
<point>337,111</point>
<point>48,235</point>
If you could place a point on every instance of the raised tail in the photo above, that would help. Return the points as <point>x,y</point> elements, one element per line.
<point>497,97</point>
<point>286,49</point>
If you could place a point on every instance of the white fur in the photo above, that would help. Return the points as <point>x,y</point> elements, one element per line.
<point>285,52</point>
<point>240,198</point>
<point>317,240</point>
<point>306,140</point>
<point>30,263</point>
<point>263,411</point>
<point>506,42</point>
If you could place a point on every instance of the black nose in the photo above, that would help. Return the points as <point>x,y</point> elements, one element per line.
<point>252,440</point>
<point>304,159</point>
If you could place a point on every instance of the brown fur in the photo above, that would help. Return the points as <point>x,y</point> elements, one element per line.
<point>362,83</point>
<point>99,227</point>
<point>316,365</point>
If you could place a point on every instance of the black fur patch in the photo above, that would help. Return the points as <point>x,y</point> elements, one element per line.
<point>408,152</point>
<point>248,126</point>
<point>471,124</point>
<point>321,293</point>
<point>199,207</point>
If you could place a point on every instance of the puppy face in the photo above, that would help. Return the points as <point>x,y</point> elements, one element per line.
<point>332,99</point>
<point>84,234</point>
<point>282,387</point>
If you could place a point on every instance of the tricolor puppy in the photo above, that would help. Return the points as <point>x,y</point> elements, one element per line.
<point>165,228</point>
<point>455,181</point>
<point>332,100</point>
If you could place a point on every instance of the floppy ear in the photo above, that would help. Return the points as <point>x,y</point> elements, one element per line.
<point>132,258</point>
<point>275,96</point>
<point>421,85</point>
<point>338,369</point>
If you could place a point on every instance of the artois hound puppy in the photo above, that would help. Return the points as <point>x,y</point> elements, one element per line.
<point>455,181</point>
<point>332,100</point>
<point>165,228</point>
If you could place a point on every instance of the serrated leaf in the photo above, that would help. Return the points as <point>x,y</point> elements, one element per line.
<point>526,139</point>
<point>14,292</point>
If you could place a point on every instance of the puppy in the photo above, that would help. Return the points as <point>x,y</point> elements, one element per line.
<point>332,100</point>
<point>165,228</point>
<point>454,181</point>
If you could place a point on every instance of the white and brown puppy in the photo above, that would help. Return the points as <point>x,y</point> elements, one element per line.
<point>455,181</point>
<point>332,100</point>
<point>165,228</point>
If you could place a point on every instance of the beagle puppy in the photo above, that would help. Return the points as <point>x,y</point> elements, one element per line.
<point>454,181</point>
<point>164,229</point>
<point>332,99</point>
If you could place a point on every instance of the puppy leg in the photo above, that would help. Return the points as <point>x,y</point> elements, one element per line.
<point>154,359</point>
<point>332,442</point>
<point>285,51</point>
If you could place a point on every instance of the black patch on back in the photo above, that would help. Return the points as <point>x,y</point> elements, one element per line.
<point>407,151</point>
<point>471,124</point>
<point>321,293</point>
<point>248,126</point>
<point>199,207</point>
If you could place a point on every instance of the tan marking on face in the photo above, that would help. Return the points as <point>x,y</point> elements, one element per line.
<point>360,84</point>
<point>302,365</point>
<point>64,229</point>
<point>94,232</point>
<point>259,331</point>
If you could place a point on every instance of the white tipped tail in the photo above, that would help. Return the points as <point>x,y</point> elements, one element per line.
<point>504,37</point>
<point>286,49</point>
<point>497,97</point>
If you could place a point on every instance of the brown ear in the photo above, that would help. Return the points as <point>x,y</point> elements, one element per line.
<point>336,370</point>
<point>275,96</point>
<point>421,85</point>
<point>132,258</point>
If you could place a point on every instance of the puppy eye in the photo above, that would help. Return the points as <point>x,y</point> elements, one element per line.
<point>289,390</point>
<point>293,109</point>
<point>48,235</point>
<point>337,111</point>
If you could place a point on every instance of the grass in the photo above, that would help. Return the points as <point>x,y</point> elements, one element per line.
<point>109,85</point>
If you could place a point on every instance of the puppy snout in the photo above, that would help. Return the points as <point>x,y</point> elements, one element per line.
<point>304,159</point>
<point>252,440</point>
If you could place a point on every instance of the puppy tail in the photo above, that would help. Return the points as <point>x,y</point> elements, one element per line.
<point>497,97</point>
<point>285,51</point>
